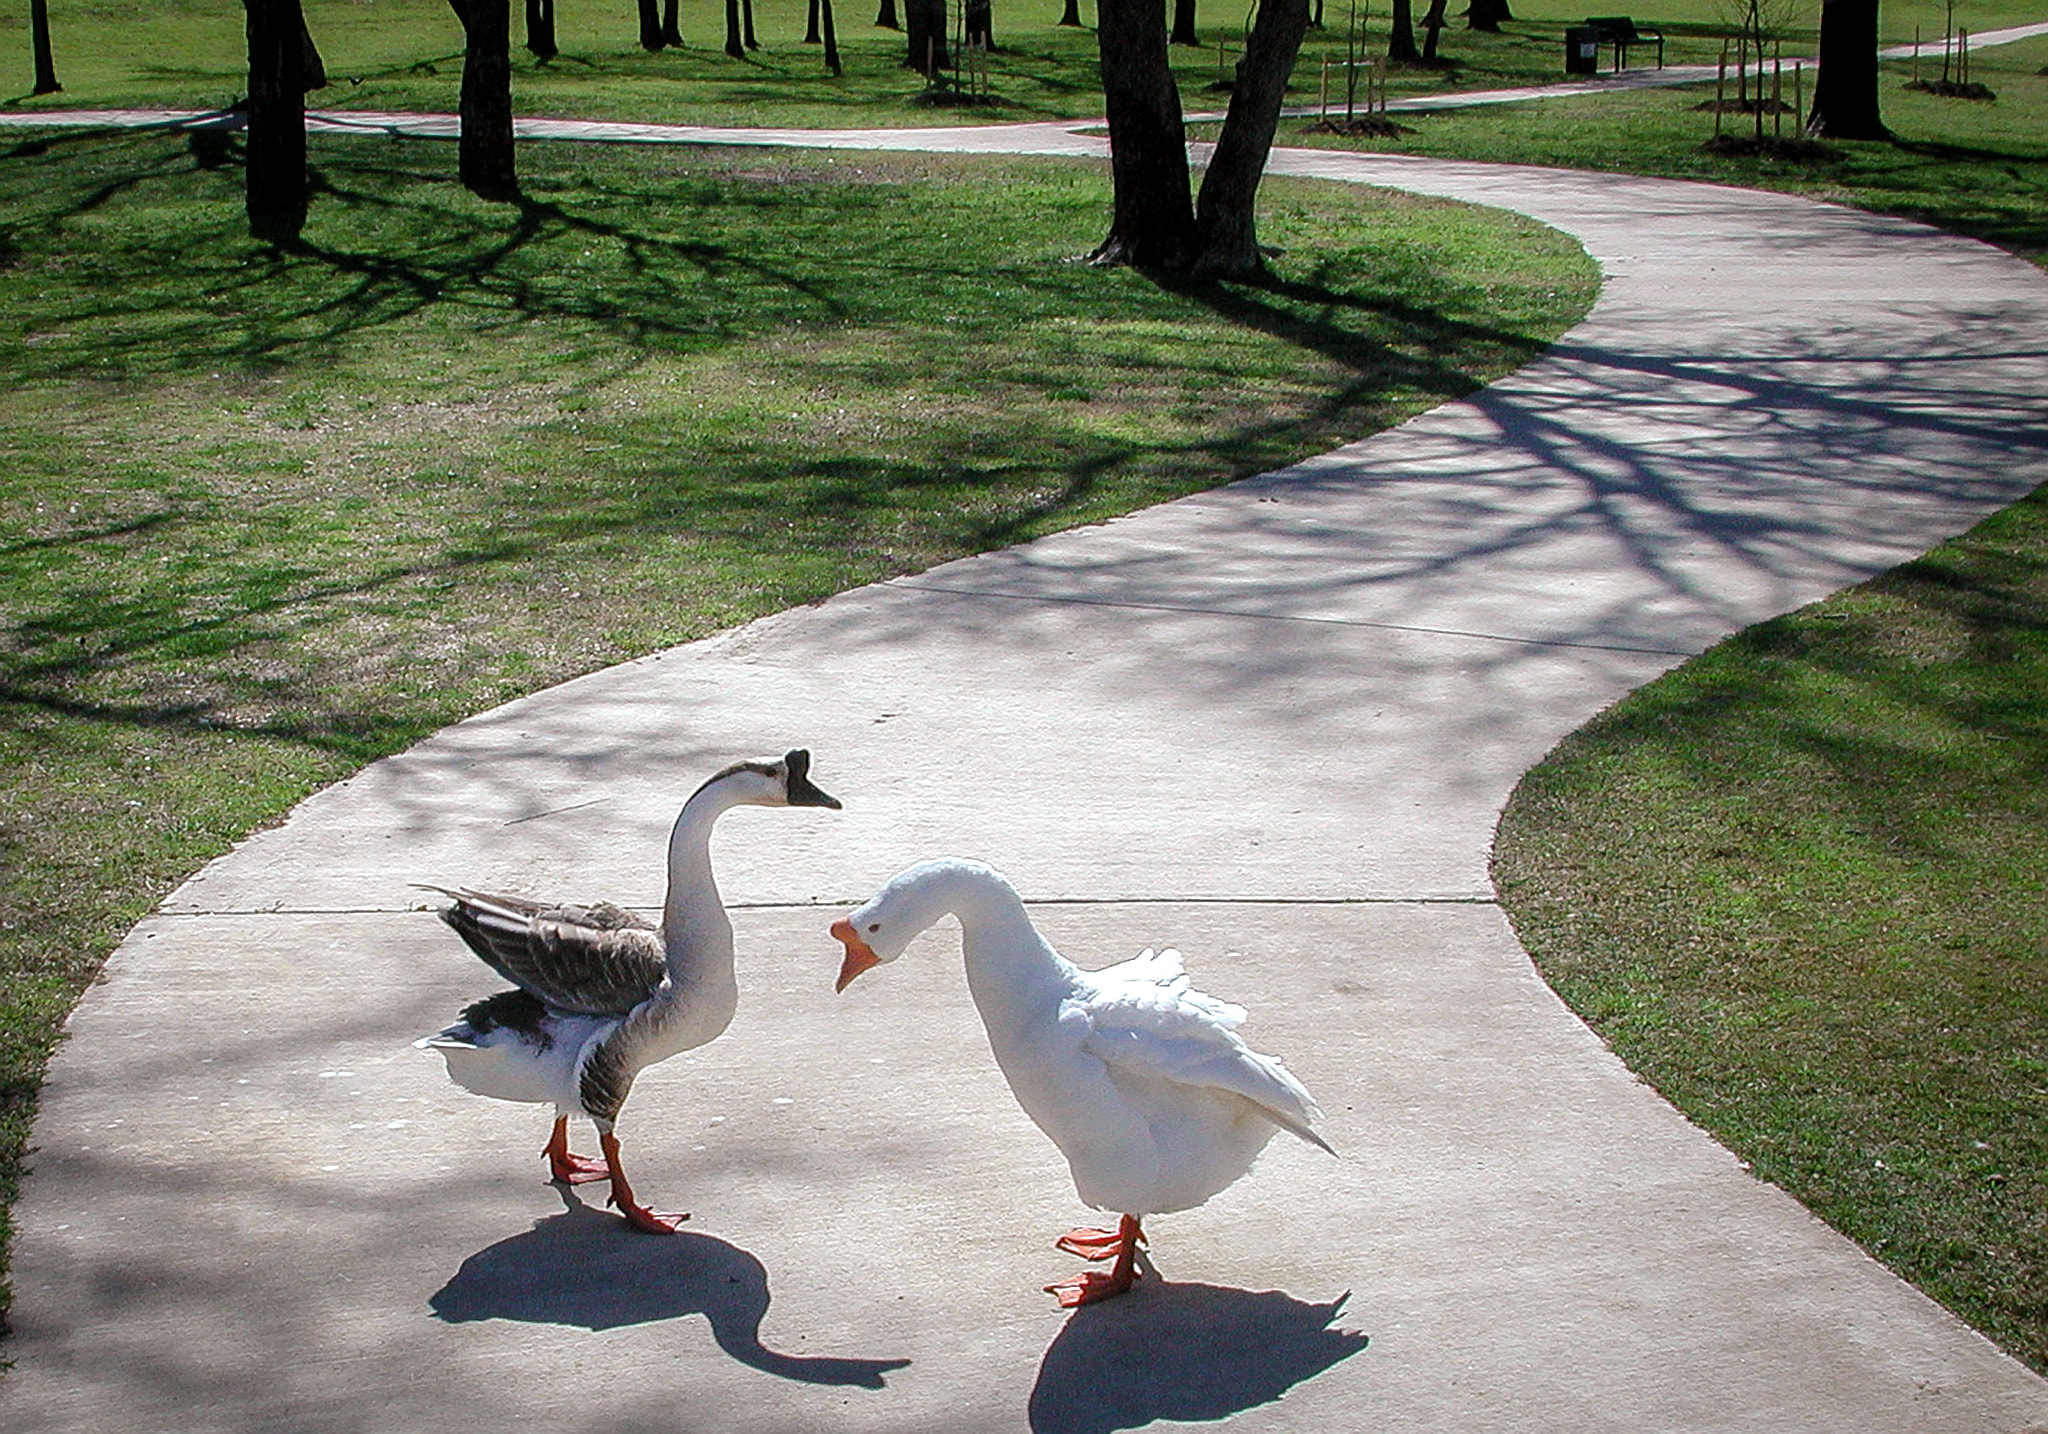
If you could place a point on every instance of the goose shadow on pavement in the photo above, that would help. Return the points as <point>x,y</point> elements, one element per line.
<point>587,1269</point>
<point>1184,1352</point>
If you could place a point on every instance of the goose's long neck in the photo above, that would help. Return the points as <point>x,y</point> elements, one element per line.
<point>1013,973</point>
<point>694,926</point>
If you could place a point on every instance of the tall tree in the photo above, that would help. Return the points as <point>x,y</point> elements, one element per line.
<point>276,195</point>
<point>885,17</point>
<point>1152,220</point>
<point>312,69</point>
<point>671,24</point>
<point>977,23</point>
<point>39,42</point>
<point>540,29</point>
<point>1225,234</point>
<point>1432,30</point>
<point>1153,225</point>
<point>831,40</point>
<point>735,44</point>
<point>650,25</point>
<point>1071,15</point>
<point>924,28</point>
<point>1845,104</point>
<point>1184,23</point>
<point>1487,14</point>
<point>485,149</point>
<point>1401,34</point>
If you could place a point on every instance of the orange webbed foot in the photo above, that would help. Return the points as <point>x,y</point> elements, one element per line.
<point>569,1169</point>
<point>653,1222</point>
<point>1090,1287</point>
<point>1091,1244</point>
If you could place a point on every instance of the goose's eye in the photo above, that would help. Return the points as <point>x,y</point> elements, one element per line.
<point>874,926</point>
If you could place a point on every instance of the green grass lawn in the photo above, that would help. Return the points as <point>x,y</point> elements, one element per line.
<point>264,518</point>
<point>1801,885</point>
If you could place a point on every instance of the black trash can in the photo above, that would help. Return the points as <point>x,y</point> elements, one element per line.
<point>1581,50</point>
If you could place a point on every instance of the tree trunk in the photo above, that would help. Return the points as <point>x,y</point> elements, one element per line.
<point>831,39</point>
<point>747,25</point>
<point>977,21</point>
<point>39,41</point>
<point>1432,30</point>
<point>734,45</point>
<point>485,149</point>
<point>1153,224</point>
<point>1401,37</point>
<point>1184,23</point>
<point>540,29</point>
<point>1487,14</point>
<point>650,25</point>
<point>885,18</point>
<point>1226,235</point>
<point>811,36</point>
<point>925,35</point>
<point>1845,104</point>
<point>276,198</point>
<point>312,69</point>
<point>1072,14</point>
<point>671,24</point>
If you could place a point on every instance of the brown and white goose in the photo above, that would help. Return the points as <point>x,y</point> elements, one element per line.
<point>601,993</point>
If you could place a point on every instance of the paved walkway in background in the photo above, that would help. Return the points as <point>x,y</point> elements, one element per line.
<point>1272,724</point>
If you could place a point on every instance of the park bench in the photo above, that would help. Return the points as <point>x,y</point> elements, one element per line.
<point>1621,32</point>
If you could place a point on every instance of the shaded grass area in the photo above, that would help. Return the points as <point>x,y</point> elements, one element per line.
<point>266,514</point>
<point>1798,884</point>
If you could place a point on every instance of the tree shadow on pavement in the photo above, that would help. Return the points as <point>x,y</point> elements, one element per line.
<point>1186,1352</point>
<point>587,1269</point>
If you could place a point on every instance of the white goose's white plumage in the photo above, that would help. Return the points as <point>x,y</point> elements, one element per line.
<point>600,993</point>
<point>1141,1080</point>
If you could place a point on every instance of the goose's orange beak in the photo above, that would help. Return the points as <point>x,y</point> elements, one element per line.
<point>858,957</point>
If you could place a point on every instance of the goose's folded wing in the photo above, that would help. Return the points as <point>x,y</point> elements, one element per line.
<point>1160,969</point>
<point>1188,1040</point>
<point>597,960</point>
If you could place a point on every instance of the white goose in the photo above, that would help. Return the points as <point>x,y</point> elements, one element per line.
<point>602,993</point>
<point>1140,1080</point>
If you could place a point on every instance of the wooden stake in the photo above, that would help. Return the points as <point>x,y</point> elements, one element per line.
<point>1720,89</point>
<point>1777,93</point>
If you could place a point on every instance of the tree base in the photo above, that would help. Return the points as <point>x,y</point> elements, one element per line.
<point>947,98</point>
<point>1363,127</point>
<point>1954,89</point>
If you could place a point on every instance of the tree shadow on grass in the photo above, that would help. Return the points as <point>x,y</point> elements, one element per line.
<point>589,1270</point>
<point>1185,1352</point>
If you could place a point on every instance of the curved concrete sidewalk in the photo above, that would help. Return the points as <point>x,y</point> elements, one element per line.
<point>1272,724</point>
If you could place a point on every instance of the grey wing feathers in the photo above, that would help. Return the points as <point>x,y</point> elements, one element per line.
<point>599,960</point>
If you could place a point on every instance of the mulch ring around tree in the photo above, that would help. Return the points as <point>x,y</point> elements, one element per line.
<point>1362,127</point>
<point>1743,107</point>
<point>1955,89</point>
<point>1806,151</point>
